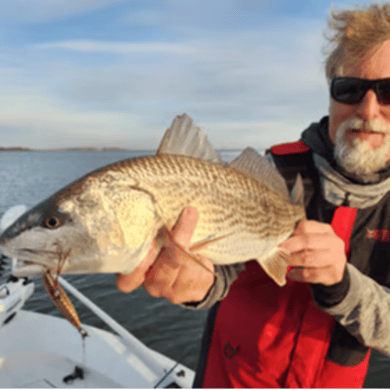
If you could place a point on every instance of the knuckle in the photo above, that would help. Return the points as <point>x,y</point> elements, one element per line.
<point>306,273</point>
<point>173,295</point>
<point>122,288</point>
<point>305,260</point>
<point>151,290</point>
<point>301,227</point>
<point>341,244</point>
<point>335,278</point>
<point>174,299</point>
<point>308,242</point>
<point>167,293</point>
<point>329,229</point>
<point>337,245</point>
<point>154,293</point>
<point>308,225</point>
<point>332,278</point>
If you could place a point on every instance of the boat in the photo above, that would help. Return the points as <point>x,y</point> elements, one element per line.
<point>42,351</point>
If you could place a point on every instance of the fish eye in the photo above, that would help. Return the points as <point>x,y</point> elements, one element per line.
<point>52,222</point>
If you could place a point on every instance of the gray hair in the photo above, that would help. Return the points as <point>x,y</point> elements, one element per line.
<point>354,35</point>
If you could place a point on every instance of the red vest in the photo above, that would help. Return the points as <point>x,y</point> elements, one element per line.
<point>270,336</point>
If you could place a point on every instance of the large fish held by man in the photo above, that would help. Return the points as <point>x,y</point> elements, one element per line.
<point>107,220</point>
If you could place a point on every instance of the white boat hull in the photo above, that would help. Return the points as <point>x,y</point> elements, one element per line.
<point>38,351</point>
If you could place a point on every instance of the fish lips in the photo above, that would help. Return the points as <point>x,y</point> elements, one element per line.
<point>24,262</point>
<point>22,268</point>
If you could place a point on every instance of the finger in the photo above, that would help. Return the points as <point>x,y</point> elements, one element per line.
<point>161,277</point>
<point>310,226</point>
<point>302,274</point>
<point>166,264</point>
<point>194,286</point>
<point>186,283</point>
<point>313,242</point>
<point>130,282</point>
<point>326,275</point>
<point>185,226</point>
<point>127,283</point>
<point>316,259</point>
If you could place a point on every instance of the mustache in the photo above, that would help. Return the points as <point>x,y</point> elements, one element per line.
<point>373,125</point>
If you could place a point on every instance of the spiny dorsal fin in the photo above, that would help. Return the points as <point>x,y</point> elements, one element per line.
<point>184,138</point>
<point>259,168</point>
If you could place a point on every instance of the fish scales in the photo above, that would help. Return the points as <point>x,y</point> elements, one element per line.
<point>214,190</point>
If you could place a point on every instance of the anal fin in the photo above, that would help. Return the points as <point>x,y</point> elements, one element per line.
<point>275,266</point>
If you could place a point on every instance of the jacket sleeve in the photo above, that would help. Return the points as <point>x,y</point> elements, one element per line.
<point>225,276</point>
<point>364,311</point>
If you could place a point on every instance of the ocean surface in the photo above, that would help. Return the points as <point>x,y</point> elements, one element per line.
<point>29,177</point>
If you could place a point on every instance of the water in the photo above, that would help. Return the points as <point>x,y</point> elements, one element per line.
<point>29,177</point>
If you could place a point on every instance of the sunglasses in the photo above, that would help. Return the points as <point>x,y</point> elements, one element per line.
<point>351,90</point>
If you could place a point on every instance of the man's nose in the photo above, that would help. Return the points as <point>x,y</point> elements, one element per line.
<point>369,107</point>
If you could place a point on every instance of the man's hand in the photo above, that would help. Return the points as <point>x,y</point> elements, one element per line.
<point>317,253</point>
<point>169,275</point>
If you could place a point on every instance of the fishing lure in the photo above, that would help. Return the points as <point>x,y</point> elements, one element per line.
<point>60,299</point>
<point>62,302</point>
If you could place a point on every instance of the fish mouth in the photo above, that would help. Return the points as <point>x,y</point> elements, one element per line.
<point>27,263</point>
<point>22,268</point>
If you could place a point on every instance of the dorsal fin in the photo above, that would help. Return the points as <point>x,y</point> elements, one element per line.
<point>184,138</point>
<point>259,168</point>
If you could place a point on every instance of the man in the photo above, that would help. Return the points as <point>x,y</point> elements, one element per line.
<point>317,330</point>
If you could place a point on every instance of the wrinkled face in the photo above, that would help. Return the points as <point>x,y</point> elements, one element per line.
<point>361,132</point>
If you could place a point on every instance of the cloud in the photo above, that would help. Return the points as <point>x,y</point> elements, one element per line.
<point>200,14</point>
<point>40,11</point>
<point>256,83</point>
<point>257,134</point>
<point>235,75</point>
<point>117,47</point>
<point>41,121</point>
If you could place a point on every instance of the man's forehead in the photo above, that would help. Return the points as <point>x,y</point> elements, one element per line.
<point>371,64</point>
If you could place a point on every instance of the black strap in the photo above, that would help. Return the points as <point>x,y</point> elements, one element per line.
<point>290,165</point>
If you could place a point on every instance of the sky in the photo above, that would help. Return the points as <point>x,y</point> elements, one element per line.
<point>115,73</point>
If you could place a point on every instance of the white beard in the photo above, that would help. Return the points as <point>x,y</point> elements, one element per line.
<point>359,159</point>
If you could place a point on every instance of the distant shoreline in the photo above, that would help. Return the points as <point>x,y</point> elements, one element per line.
<point>87,149</point>
<point>80,149</point>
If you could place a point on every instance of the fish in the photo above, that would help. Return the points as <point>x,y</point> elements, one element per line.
<point>106,221</point>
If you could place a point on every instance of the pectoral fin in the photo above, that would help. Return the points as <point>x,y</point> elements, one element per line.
<point>275,266</point>
<point>203,244</point>
<point>165,239</point>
